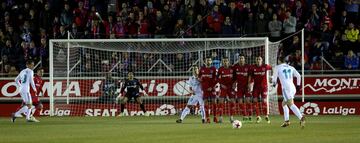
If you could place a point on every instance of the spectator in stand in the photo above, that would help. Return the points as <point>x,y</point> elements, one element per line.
<point>299,12</point>
<point>119,27</point>
<point>352,8</point>
<point>235,15</point>
<point>143,25</point>
<point>351,61</point>
<point>275,27</point>
<point>214,21</point>
<point>132,26</point>
<point>249,25</point>
<point>160,25</point>
<point>43,52</point>
<point>179,29</point>
<point>314,17</point>
<point>199,27</point>
<point>261,25</point>
<point>342,21</point>
<point>66,18</point>
<point>289,24</point>
<point>80,15</point>
<point>8,51</point>
<point>351,37</point>
<point>228,30</point>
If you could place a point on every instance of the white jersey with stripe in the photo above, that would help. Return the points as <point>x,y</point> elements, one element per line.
<point>286,74</point>
<point>25,79</point>
<point>195,86</point>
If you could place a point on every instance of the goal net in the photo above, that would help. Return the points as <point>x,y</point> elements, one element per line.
<point>87,74</point>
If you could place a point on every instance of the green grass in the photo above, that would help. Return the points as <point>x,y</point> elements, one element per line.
<point>322,129</point>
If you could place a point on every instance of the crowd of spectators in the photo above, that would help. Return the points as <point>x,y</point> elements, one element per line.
<point>332,26</point>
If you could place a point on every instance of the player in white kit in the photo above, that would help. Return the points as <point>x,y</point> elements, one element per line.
<point>285,73</point>
<point>24,80</point>
<point>197,96</point>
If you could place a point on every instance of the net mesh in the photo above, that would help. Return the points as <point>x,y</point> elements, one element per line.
<point>88,74</point>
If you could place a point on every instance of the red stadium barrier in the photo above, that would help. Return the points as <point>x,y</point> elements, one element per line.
<point>324,85</point>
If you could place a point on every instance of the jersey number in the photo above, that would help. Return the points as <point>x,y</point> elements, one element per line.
<point>287,73</point>
<point>24,80</point>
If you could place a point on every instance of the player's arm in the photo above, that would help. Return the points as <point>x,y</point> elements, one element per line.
<point>40,84</point>
<point>298,78</point>
<point>32,83</point>
<point>200,74</point>
<point>191,82</point>
<point>141,87</point>
<point>17,80</point>
<point>275,76</point>
<point>250,76</point>
<point>215,78</point>
<point>218,78</point>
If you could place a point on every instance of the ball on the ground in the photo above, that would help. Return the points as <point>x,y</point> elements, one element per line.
<point>237,124</point>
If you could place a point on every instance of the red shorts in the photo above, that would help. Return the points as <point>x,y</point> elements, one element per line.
<point>260,92</point>
<point>241,92</point>
<point>225,92</point>
<point>35,100</point>
<point>208,94</point>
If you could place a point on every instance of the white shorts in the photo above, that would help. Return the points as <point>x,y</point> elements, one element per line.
<point>288,94</point>
<point>194,99</point>
<point>26,97</point>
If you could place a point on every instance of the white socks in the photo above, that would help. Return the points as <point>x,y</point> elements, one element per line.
<point>286,112</point>
<point>18,113</point>
<point>184,113</point>
<point>28,112</point>
<point>296,111</point>
<point>202,110</point>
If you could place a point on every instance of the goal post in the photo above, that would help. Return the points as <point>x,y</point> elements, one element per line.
<point>87,74</point>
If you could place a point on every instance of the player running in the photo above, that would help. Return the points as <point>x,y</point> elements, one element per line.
<point>242,80</point>
<point>132,86</point>
<point>259,76</point>
<point>207,76</point>
<point>225,78</point>
<point>197,96</point>
<point>24,80</point>
<point>35,100</point>
<point>286,73</point>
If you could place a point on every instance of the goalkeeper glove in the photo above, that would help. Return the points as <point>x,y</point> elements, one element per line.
<point>298,88</point>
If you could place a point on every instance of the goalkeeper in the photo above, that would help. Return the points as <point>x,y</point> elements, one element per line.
<point>132,86</point>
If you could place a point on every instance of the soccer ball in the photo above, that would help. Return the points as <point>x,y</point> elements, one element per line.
<point>237,124</point>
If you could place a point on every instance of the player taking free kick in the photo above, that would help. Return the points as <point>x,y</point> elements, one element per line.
<point>286,73</point>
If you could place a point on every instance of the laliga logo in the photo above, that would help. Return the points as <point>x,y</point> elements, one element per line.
<point>166,109</point>
<point>310,109</point>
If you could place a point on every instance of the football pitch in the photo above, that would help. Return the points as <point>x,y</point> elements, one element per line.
<point>163,129</point>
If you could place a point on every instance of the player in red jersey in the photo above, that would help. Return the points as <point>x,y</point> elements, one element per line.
<point>207,77</point>
<point>242,80</point>
<point>34,97</point>
<point>259,76</point>
<point>225,78</point>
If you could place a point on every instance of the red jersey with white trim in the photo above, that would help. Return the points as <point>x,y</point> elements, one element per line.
<point>38,84</point>
<point>259,75</point>
<point>225,76</point>
<point>241,75</point>
<point>207,76</point>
